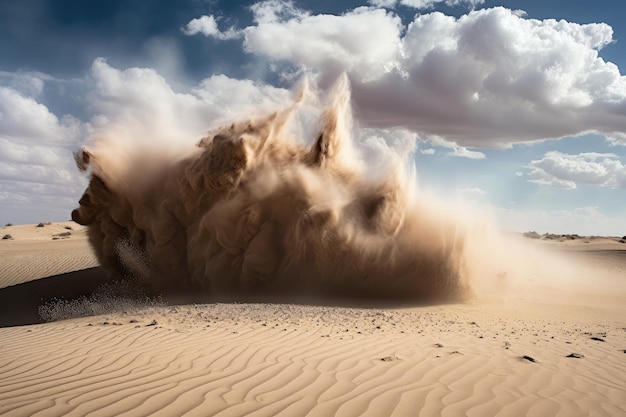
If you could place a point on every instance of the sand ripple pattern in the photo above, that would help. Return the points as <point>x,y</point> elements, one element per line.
<point>34,260</point>
<point>263,360</point>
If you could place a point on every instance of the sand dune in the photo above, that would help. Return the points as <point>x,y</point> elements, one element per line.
<point>27,254</point>
<point>505,354</point>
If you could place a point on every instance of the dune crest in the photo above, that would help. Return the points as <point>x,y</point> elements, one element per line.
<point>252,209</point>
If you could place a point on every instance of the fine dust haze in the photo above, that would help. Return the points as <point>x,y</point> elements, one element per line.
<point>263,206</point>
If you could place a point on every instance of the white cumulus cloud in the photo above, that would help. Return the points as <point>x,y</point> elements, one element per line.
<point>141,100</point>
<point>489,78</point>
<point>425,4</point>
<point>364,41</point>
<point>36,164</point>
<point>466,153</point>
<point>562,170</point>
<point>207,26</point>
<point>28,83</point>
<point>23,118</point>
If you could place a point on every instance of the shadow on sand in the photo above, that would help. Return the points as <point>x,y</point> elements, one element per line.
<point>19,304</point>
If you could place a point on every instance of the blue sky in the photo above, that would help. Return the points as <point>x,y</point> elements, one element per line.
<point>517,106</point>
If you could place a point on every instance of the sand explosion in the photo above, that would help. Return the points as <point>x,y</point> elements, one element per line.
<point>252,210</point>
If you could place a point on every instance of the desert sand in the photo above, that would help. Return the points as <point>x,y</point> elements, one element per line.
<point>548,350</point>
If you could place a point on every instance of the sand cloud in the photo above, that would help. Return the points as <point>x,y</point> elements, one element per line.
<point>254,208</point>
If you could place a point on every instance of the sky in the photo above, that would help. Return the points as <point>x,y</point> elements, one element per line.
<point>516,106</point>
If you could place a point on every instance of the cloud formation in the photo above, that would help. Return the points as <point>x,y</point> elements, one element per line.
<point>24,118</point>
<point>562,170</point>
<point>207,25</point>
<point>37,170</point>
<point>363,41</point>
<point>425,4</point>
<point>140,104</point>
<point>487,79</point>
<point>27,83</point>
<point>466,153</point>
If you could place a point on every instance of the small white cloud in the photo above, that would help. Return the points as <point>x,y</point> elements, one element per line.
<point>562,170</point>
<point>424,4</point>
<point>553,182</point>
<point>429,4</point>
<point>519,173</point>
<point>466,153</point>
<point>617,139</point>
<point>275,11</point>
<point>384,150</point>
<point>207,25</point>
<point>429,151</point>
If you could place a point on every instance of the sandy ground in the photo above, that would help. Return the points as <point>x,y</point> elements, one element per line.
<point>33,252</point>
<point>549,350</point>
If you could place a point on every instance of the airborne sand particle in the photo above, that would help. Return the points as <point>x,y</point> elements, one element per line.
<point>252,210</point>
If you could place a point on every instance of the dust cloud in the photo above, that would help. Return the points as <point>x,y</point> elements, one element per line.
<point>265,206</point>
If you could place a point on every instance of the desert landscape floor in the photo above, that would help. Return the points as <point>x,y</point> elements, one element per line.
<point>547,349</point>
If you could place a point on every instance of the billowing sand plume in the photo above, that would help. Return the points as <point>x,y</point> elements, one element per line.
<point>252,209</point>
